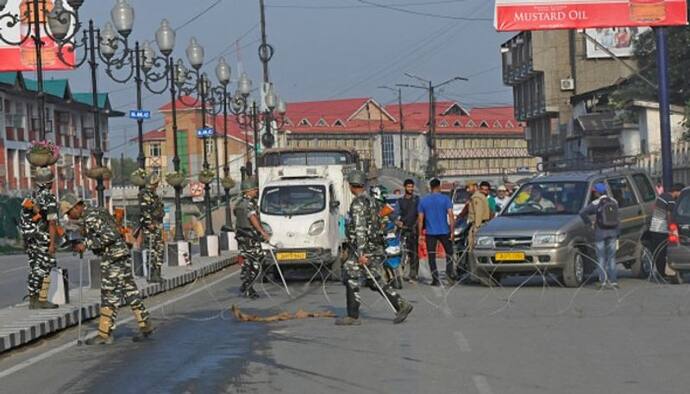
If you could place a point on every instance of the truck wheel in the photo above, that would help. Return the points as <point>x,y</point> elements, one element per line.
<point>642,266</point>
<point>335,270</point>
<point>574,272</point>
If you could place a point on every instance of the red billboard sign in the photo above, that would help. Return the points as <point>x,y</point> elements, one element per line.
<point>22,57</point>
<point>519,15</point>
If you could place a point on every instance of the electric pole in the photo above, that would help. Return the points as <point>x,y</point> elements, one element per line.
<point>432,163</point>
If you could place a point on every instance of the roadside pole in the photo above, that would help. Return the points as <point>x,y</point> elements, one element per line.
<point>664,107</point>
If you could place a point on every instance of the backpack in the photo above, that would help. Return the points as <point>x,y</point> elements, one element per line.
<point>607,214</point>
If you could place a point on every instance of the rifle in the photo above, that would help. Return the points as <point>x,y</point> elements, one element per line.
<point>371,275</point>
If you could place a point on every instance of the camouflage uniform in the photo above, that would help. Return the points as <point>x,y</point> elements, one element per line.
<point>152,213</point>
<point>117,281</point>
<point>366,238</point>
<point>249,242</point>
<point>34,228</point>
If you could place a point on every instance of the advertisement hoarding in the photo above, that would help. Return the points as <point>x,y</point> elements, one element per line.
<point>618,40</point>
<point>23,57</point>
<point>519,15</point>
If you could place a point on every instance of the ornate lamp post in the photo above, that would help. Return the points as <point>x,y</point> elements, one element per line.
<point>58,23</point>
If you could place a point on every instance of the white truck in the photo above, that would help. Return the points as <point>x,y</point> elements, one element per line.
<point>304,207</point>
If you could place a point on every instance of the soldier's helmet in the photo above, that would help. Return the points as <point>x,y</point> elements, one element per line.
<point>248,184</point>
<point>67,202</point>
<point>43,176</point>
<point>357,178</point>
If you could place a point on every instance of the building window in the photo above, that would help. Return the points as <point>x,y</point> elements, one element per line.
<point>155,150</point>
<point>388,151</point>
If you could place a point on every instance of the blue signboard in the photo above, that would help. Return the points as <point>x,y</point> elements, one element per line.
<point>139,115</point>
<point>205,132</point>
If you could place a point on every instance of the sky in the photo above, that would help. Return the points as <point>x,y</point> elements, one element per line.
<point>323,49</point>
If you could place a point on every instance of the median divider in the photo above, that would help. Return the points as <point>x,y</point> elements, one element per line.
<point>20,325</point>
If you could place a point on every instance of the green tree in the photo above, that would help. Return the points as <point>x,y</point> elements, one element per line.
<point>679,64</point>
<point>122,169</point>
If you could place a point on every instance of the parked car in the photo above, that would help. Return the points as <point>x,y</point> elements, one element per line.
<point>678,251</point>
<point>541,231</point>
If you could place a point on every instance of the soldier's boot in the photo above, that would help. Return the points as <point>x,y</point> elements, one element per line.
<point>105,328</point>
<point>404,309</point>
<point>352,318</point>
<point>145,327</point>
<point>41,301</point>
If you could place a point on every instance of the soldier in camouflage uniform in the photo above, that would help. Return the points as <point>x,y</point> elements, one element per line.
<point>366,239</point>
<point>152,213</point>
<point>38,225</point>
<point>249,235</point>
<point>100,234</point>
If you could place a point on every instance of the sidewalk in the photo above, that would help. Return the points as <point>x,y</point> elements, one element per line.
<point>19,325</point>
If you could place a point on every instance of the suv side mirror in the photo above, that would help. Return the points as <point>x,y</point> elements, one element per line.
<point>335,205</point>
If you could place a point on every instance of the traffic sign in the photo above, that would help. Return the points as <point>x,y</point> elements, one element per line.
<point>205,132</point>
<point>139,114</point>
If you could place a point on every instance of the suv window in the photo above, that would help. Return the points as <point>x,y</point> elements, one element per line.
<point>644,187</point>
<point>622,192</point>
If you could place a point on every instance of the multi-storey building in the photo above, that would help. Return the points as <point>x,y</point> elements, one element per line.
<point>470,143</point>
<point>69,124</point>
<point>191,148</point>
<point>545,69</point>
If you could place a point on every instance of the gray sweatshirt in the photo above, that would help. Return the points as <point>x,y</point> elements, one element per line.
<point>600,234</point>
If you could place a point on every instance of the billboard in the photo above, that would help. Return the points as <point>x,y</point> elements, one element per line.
<point>23,57</point>
<point>618,40</point>
<point>519,15</point>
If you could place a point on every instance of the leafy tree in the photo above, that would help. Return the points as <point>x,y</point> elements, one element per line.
<point>122,169</point>
<point>679,64</point>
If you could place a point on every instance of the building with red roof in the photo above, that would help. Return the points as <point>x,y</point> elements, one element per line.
<point>470,142</point>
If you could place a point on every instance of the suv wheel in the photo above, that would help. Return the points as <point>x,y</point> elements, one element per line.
<point>574,272</point>
<point>678,278</point>
<point>642,266</point>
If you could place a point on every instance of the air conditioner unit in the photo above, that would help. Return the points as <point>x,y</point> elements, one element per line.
<point>567,84</point>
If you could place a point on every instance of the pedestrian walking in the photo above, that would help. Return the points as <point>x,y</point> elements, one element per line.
<point>100,235</point>
<point>435,215</point>
<point>38,225</point>
<point>478,212</point>
<point>367,244</point>
<point>152,214</point>
<point>249,235</point>
<point>658,227</point>
<point>485,189</point>
<point>407,222</point>
<point>606,232</point>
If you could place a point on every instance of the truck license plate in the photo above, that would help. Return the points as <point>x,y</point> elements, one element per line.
<point>283,256</point>
<point>510,256</point>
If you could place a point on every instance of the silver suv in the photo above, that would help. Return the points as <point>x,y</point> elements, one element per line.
<point>541,231</point>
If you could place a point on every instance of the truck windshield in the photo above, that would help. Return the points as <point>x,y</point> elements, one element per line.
<point>548,198</point>
<point>293,200</point>
<point>461,196</point>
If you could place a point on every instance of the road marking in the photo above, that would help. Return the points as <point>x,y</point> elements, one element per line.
<point>33,360</point>
<point>482,384</point>
<point>462,342</point>
<point>13,269</point>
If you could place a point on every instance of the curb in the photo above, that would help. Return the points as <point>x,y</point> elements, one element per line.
<point>25,327</point>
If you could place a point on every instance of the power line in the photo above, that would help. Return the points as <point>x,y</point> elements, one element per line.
<point>420,13</point>
<point>199,15</point>
<point>343,7</point>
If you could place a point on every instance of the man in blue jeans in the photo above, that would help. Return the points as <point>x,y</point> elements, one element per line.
<point>436,215</point>
<point>606,232</point>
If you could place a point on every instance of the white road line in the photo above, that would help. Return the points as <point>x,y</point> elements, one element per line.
<point>59,349</point>
<point>482,384</point>
<point>13,269</point>
<point>462,342</point>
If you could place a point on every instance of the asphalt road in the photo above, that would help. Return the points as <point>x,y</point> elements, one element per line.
<point>526,337</point>
<point>14,270</point>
